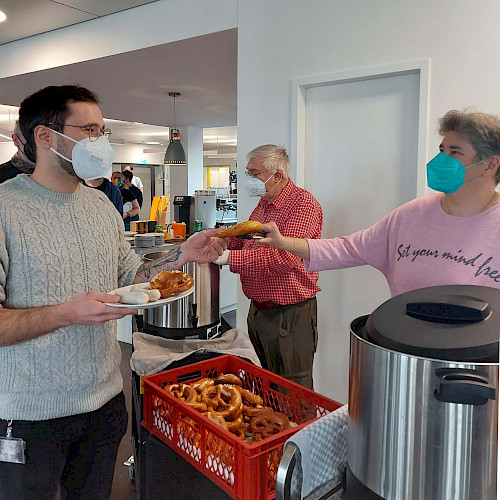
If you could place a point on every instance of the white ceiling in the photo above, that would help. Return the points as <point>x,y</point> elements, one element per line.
<point>133,87</point>
<point>31,17</point>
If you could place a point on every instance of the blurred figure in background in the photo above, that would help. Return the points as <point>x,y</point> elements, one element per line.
<point>130,204</point>
<point>19,163</point>
<point>128,182</point>
<point>136,181</point>
<point>117,179</point>
<point>109,189</point>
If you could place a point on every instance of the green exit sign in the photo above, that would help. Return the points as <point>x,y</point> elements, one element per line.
<point>144,161</point>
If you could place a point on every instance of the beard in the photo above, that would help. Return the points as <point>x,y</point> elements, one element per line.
<point>66,165</point>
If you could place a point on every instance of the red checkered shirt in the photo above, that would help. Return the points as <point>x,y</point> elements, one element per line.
<point>269,274</point>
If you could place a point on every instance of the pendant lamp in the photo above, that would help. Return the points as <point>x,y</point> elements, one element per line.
<point>175,154</point>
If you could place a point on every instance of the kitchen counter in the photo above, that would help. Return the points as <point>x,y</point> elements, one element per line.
<point>140,251</point>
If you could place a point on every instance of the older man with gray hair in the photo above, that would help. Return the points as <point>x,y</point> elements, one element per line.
<point>19,163</point>
<point>282,318</point>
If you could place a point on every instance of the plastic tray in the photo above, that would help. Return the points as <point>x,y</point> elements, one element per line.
<point>246,471</point>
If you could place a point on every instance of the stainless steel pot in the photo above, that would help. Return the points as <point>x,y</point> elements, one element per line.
<point>194,316</point>
<point>425,428</point>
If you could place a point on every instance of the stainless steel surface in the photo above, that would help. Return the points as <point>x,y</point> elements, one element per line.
<point>291,456</point>
<point>285,471</point>
<point>403,443</point>
<point>199,309</point>
<point>205,210</point>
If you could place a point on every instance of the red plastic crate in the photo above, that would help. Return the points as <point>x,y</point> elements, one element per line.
<point>246,471</point>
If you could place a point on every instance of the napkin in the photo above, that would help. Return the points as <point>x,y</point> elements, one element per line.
<point>152,353</point>
<point>323,455</point>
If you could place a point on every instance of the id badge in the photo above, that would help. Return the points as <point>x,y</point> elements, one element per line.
<point>12,449</point>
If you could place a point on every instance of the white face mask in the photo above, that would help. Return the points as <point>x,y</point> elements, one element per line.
<point>90,159</point>
<point>256,187</point>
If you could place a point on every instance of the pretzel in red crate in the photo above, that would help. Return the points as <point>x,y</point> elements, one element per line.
<point>220,448</point>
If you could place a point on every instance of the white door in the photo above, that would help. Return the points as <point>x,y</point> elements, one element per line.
<point>360,163</point>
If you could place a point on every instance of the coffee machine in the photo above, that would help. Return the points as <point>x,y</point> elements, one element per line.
<point>233,182</point>
<point>184,211</point>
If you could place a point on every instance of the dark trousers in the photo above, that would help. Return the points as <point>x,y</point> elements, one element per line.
<point>77,452</point>
<point>285,339</point>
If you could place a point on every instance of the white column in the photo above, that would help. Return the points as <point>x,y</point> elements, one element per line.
<point>194,154</point>
<point>184,180</point>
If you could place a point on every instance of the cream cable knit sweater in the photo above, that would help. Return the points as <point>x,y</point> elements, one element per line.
<point>52,247</point>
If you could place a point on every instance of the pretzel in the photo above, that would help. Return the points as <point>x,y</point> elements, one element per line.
<point>268,424</point>
<point>215,417</point>
<point>187,394</point>
<point>224,400</point>
<point>234,425</point>
<point>228,378</point>
<point>250,412</point>
<point>249,226</point>
<point>241,432</point>
<point>170,282</point>
<point>250,398</point>
<point>166,289</point>
<point>201,384</point>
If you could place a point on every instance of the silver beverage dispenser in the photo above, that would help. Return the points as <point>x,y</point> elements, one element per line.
<point>195,316</point>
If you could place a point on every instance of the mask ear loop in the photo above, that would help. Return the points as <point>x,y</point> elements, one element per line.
<point>57,152</point>
<point>272,175</point>
<point>477,178</point>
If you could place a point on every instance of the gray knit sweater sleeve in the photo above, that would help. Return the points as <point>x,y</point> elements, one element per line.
<point>52,247</point>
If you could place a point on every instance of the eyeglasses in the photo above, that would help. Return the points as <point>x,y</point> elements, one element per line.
<point>255,174</point>
<point>93,131</point>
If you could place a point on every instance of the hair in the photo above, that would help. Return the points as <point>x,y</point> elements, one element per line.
<point>49,106</point>
<point>481,130</point>
<point>275,158</point>
<point>128,175</point>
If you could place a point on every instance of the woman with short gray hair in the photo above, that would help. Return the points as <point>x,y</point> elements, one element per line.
<point>446,238</point>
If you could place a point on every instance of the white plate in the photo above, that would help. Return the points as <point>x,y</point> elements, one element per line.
<point>149,305</point>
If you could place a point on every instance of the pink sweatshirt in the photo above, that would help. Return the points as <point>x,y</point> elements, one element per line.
<point>420,245</point>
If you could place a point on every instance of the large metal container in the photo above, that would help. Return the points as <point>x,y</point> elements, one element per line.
<point>194,316</point>
<point>423,398</point>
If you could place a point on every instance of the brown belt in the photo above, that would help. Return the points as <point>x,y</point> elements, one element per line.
<point>274,305</point>
<point>266,305</point>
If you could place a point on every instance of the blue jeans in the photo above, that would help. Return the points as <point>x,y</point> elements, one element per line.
<point>77,452</point>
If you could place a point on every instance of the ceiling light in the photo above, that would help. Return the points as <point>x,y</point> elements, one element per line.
<point>3,17</point>
<point>175,154</point>
<point>6,136</point>
<point>151,143</point>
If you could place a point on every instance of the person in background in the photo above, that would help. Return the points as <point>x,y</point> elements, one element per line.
<point>60,381</point>
<point>117,178</point>
<point>19,163</point>
<point>128,178</point>
<point>445,238</point>
<point>110,190</point>
<point>130,204</point>
<point>136,181</point>
<point>283,314</point>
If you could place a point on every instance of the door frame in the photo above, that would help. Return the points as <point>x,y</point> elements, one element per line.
<point>298,111</point>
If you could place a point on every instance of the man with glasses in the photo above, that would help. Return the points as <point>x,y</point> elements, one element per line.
<point>62,248</point>
<point>282,317</point>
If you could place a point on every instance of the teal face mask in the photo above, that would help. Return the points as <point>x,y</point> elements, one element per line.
<point>447,174</point>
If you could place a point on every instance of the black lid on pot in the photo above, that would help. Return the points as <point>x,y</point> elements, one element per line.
<point>453,323</point>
